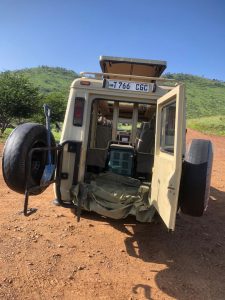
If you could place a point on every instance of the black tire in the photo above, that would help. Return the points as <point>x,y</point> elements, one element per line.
<point>196,177</point>
<point>15,154</point>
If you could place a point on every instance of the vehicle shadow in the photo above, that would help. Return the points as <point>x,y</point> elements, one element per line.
<point>194,253</point>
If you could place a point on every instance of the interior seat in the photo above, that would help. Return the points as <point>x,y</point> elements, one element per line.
<point>145,147</point>
<point>96,157</point>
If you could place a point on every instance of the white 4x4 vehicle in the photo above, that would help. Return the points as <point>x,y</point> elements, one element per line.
<point>122,149</point>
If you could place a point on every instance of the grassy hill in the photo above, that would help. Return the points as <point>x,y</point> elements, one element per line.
<point>50,79</point>
<point>205,97</point>
<point>205,103</point>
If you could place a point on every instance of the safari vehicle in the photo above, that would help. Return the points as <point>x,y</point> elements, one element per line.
<point>122,149</point>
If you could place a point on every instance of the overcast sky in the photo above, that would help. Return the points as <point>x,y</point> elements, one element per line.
<point>189,35</point>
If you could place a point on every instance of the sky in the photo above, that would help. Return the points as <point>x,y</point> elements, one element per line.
<point>188,34</point>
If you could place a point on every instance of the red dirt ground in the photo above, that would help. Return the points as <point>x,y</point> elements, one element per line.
<point>50,256</point>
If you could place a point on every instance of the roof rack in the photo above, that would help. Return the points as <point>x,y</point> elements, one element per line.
<point>124,76</point>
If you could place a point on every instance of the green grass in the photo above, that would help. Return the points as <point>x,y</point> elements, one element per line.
<point>5,135</point>
<point>210,125</point>
<point>57,135</point>
<point>124,127</point>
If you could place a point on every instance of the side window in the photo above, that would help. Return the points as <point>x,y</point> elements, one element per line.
<point>168,127</point>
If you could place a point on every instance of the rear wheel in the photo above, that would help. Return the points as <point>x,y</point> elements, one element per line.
<point>196,177</point>
<point>15,156</point>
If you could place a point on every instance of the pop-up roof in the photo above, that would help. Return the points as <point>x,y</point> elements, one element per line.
<point>132,66</point>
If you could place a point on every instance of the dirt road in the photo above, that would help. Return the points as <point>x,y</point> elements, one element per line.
<point>50,256</point>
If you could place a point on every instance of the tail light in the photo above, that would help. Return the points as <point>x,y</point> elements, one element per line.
<point>78,111</point>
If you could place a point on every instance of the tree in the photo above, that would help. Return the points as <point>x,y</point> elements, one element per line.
<point>18,98</point>
<point>57,103</point>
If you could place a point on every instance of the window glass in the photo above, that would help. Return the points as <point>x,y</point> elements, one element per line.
<point>168,127</point>
<point>124,125</point>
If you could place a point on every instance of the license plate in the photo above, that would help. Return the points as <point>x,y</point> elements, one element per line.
<point>128,85</point>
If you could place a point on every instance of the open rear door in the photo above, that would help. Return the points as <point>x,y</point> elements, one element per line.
<point>168,154</point>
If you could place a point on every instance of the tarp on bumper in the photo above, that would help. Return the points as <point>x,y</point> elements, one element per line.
<point>115,196</point>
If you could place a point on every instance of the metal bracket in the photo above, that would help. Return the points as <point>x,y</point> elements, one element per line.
<point>31,189</point>
<point>64,175</point>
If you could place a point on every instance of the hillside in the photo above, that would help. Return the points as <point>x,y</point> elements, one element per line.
<point>205,97</point>
<point>50,79</point>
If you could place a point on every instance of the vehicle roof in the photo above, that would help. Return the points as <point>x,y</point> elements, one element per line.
<point>132,66</point>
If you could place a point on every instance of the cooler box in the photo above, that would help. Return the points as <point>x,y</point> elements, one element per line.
<point>121,159</point>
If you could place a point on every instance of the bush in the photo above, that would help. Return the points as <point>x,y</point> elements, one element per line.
<point>18,99</point>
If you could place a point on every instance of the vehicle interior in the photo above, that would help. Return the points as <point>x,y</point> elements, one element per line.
<point>121,139</point>
<point>119,161</point>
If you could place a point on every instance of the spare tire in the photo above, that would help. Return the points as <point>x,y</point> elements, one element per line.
<point>15,155</point>
<point>196,177</point>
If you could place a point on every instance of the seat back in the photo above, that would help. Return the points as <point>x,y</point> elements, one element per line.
<point>97,157</point>
<point>103,136</point>
<point>145,147</point>
<point>146,140</point>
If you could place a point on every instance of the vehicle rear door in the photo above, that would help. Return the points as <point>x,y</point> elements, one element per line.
<point>169,143</point>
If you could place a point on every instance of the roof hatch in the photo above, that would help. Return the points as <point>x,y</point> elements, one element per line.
<point>132,66</point>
